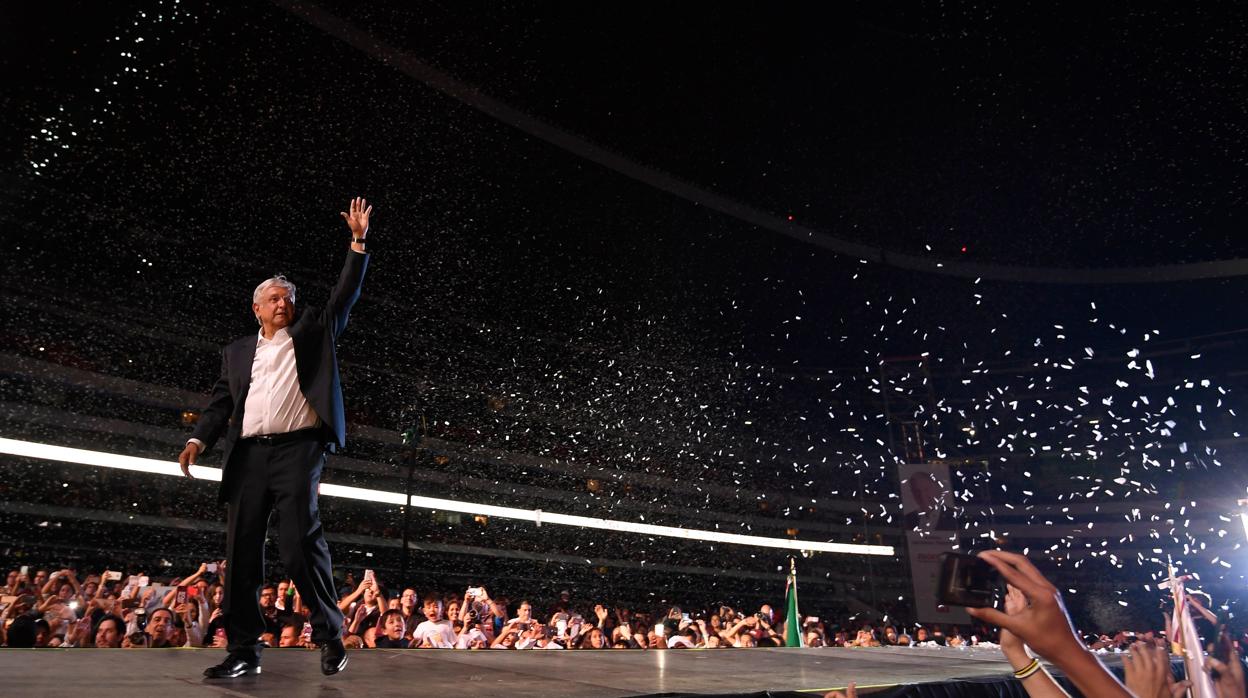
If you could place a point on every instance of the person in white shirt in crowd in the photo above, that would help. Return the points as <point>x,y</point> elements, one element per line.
<point>435,632</point>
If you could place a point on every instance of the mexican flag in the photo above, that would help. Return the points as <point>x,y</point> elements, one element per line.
<point>792,619</point>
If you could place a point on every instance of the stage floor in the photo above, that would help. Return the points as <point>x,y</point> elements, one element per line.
<point>609,673</point>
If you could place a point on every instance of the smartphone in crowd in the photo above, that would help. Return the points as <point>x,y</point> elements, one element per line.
<point>212,567</point>
<point>967,580</point>
<point>180,597</point>
<point>192,592</point>
<point>660,629</point>
<point>370,577</point>
<point>111,576</point>
<point>476,592</point>
<point>144,581</point>
<point>25,570</point>
<point>306,635</point>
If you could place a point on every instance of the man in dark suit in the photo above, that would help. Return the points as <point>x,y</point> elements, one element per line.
<point>278,403</point>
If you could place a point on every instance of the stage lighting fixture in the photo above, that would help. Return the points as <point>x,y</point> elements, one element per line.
<point>441,507</point>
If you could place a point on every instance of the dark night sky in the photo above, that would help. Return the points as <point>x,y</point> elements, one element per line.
<point>1067,135</point>
<point>1079,136</point>
<point>1070,136</point>
<point>1035,134</point>
<point>163,178</point>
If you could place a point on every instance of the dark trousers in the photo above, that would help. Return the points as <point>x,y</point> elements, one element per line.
<point>282,476</point>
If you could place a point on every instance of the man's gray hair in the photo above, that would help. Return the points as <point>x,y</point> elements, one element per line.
<point>278,280</point>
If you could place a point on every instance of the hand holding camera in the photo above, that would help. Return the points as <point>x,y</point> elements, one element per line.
<point>1043,623</point>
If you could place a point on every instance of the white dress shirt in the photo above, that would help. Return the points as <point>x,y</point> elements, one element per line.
<point>275,404</point>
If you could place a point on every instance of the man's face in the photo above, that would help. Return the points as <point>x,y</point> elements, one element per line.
<point>394,626</point>
<point>926,490</point>
<point>408,600</point>
<point>290,637</point>
<point>268,598</point>
<point>275,308</point>
<point>108,634</point>
<point>41,578</point>
<point>12,578</point>
<point>158,625</point>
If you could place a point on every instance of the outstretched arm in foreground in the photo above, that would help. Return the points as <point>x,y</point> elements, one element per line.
<point>1230,682</point>
<point>1045,627</point>
<point>1038,683</point>
<point>1148,675</point>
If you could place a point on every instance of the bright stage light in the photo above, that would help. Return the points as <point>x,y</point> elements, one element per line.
<point>29,449</point>
<point>1243,515</point>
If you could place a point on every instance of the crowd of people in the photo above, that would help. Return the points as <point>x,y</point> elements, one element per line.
<point>57,608</point>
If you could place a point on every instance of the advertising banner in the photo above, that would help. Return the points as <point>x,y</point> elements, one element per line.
<point>931,529</point>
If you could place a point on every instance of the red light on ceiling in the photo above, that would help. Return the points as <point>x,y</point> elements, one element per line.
<point>964,249</point>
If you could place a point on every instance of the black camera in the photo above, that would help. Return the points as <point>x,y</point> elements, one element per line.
<point>967,580</point>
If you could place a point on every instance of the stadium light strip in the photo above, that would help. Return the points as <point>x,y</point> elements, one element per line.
<point>65,454</point>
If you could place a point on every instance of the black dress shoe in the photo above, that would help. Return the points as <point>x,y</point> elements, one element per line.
<point>333,657</point>
<point>232,668</point>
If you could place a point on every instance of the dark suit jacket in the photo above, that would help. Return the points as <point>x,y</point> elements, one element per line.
<point>314,333</point>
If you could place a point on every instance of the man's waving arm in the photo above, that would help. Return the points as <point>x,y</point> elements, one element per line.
<point>347,290</point>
